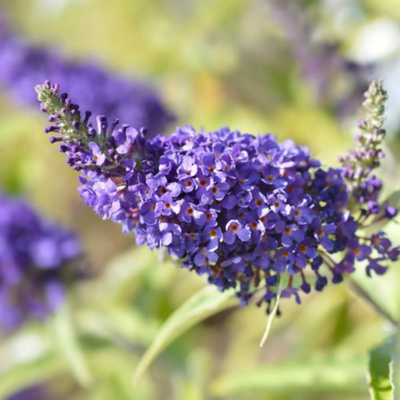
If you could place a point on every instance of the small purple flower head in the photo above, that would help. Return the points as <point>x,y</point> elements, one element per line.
<point>37,260</point>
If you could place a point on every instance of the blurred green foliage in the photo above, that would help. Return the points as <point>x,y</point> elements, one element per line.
<point>216,63</point>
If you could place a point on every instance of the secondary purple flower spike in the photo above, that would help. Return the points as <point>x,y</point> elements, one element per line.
<point>321,64</point>
<point>240,209</point>
<point>37,259</point>
<point>104,93</point>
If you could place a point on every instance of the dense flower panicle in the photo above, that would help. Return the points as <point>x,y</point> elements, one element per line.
<point>23,65</point>
<point>37,260</point>
<point>245,211</point>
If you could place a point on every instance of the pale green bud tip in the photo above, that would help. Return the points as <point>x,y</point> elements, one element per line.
<point>40,90</point>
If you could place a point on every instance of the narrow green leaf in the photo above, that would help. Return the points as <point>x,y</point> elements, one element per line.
<point>324,375</point>
<point>26,359</point>
<point>22,348</point>
<point>394,199</point>
<point>208,301</point>
<point>376,293</point>
<point>122,282</point>
<point>67,342</point>
<point>29,374</point>
<point>384,377</point>
<point>271,316</point>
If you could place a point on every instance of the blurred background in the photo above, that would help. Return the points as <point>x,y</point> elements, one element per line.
<point>297,69</point>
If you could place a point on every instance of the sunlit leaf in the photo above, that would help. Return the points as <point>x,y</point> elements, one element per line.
<point>122,273</point>
<point>384,376</point>
<point>376,293</point>
<point>203,304</point>
<point>29,374</point>
<point>327,375</point>
<point>119,325</point>
<point>67,342</point>
<point>394,199</point>
<point>22,348</point>
<point>26,359</point>
<point>272,314</point>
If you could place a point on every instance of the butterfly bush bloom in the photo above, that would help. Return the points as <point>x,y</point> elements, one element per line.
<point>246,211</point>
<point>23,65</point>
<point>37,259</point>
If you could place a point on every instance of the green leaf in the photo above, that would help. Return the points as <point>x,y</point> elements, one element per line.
<point>68,344</point>
<point>378,292</point>
<point>22,348</point>
<point>394,199</point>
<point>29,374</point>
<point>203,304</point>
<point>271,316</point>
<point>325,375</point>
<point>122,282</point>
<point>384,366</point>
<point>26,359</point>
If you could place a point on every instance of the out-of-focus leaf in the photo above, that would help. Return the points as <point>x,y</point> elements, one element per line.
<point>193,382</point>
<point>203,304</point>
<point>377,293</point>
<point>384,366</point>
<point>113,371</point>
<point>29,374</point>
<point>67,342</point>
<point>22,348</point>
<point>118,324</point>
<point>394,199</point>
<point>327,375</point>
<point>121,275</point>
<point>26,359</point>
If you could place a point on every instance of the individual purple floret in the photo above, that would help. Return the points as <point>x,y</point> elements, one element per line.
<point>23,65</point>
<point>244,210</point>
<point>37,259</point>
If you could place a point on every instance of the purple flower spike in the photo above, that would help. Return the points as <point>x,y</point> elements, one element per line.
<point>240,209</point>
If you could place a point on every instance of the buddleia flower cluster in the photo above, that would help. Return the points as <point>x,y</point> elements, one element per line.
<point>246,211</point>
<point>23,65</point>
<point>38,259</point>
